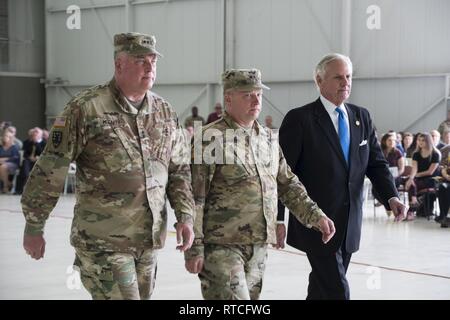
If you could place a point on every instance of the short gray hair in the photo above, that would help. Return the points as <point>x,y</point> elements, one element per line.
<point>323,63</point>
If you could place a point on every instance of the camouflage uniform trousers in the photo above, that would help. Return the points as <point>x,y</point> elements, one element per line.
<point>116,275</point>
<point>233,272</point>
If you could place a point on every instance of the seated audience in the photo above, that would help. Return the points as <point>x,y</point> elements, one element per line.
<point>9,160</point>
<point>425,162</point>
<point>17,141</point>
<point>396,161</point>
<point>444,188</point>
<point>269,122</point>
<point>436,136</point>
<point>446,137</point>
<point>32,149</point>
<point>398,141</point>
<point>217,114</point>
<point>413,147</point>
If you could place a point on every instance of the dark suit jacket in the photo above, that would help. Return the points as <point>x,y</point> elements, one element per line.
<point>28,148</point>
<point>312,149</point>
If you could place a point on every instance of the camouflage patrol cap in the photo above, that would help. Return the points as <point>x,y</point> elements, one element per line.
<point>242,79</point>
<point>135,43</point>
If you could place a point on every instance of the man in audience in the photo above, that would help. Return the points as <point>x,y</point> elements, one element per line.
<point>269,122</point>
<point>32,149</point>
<point>217,114</point>
<point>445,125</point>
<point>436,136</point>
<point>189,122</point>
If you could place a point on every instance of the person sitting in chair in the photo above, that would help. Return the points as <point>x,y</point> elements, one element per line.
<point>425,162</point>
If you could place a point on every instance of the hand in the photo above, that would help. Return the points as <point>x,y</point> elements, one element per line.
<point>194,265</point>
<point>185,231</point>
<point>34,246</point>
<point>281,236</point>
<point>326,226</point>
<point>408,184</point>
<point>398,208</point>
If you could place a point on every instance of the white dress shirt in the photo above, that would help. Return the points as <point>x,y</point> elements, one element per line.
<point>334,115</point>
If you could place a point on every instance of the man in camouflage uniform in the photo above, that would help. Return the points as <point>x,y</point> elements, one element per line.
<point>189,122</point>
<point>124,140</point>
<point>236,188</point>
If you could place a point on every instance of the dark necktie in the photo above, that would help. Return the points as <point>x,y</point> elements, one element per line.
<point>344,133</point>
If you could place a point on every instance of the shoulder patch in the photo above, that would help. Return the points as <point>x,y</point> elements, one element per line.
<point>57,137</point>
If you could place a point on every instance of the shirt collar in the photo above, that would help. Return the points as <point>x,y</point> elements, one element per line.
<point>124,104</point>
<point>234,125</point>
<point>330,106</point>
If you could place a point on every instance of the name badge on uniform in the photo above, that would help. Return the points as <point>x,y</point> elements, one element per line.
<point>57,138</point>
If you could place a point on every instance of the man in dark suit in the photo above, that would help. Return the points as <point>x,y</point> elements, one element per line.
<point>331,146</point>
<point>32,149</point>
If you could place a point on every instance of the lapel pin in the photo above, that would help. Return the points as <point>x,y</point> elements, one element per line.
<point>357,123</point>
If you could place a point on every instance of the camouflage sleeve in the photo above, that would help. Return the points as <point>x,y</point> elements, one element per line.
<point>46,180</point>
<point>201,177</point>
<point>293,195</point>
<point>179,189</point>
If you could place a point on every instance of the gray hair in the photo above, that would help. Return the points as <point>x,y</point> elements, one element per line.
<point>323,63</point>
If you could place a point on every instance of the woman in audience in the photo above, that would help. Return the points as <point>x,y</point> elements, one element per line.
<point>444,188</point>
<point>396,162</point>
<point>413,147</point>
<point>425,162</point>
<point>407,141</point>
<point>9,160</point>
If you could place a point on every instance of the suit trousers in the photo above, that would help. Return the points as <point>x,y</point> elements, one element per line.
<point>327,280</point>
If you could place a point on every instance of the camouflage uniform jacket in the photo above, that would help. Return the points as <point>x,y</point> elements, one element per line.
<point>189,122</point>
<point>237,203</point>
<point>126,165</point>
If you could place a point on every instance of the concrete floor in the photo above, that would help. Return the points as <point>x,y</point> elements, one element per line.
<point>408,260</point>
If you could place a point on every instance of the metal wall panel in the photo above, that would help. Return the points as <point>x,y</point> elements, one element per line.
<point>284,38</point>
<point>413,38</point>
<point>396,103</point>
<point>189,34</point>
<point>25,36</point>
<point>85,56</point>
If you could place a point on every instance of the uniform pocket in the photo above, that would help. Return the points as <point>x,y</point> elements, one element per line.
<point>161,139</point>
<point>233,173</point>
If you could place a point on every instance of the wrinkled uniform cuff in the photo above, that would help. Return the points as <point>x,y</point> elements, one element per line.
<point>34,229</point>
<point>186,218</point>
<point>314,222</point>
<point>194,251</point>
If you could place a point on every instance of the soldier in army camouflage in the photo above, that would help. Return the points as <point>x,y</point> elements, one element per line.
<point>236,194</point>
<point>124,140</point>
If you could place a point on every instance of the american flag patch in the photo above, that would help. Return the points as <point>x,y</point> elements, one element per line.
<point>60,122</point>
